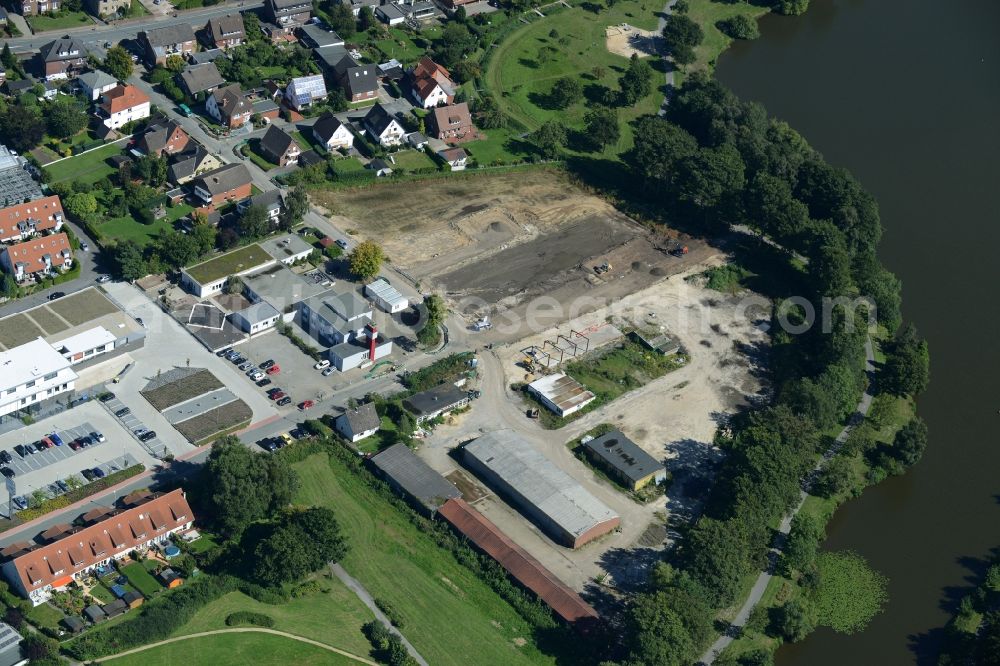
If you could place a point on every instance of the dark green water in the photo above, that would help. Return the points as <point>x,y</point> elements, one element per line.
<point>906,94</point>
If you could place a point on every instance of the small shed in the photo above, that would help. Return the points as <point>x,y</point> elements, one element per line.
<point>94,613</point>
<point>133,599</point>
<point>74,624</point>
<point>170,578</point>
<point>115,608</point>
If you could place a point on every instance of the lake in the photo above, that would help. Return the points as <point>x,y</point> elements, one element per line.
<point>906,95</point>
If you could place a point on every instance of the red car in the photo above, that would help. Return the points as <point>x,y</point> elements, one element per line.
<point>306,404</point>
<point>47,442</point>
<point>273,370</point>
<point>278,395</point>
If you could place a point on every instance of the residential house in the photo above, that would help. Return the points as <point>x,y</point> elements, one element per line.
<point>107,8</point>
<point>431,84</point>
<point>163,138</point>
<point>190,162</point>
<point>303,91</point>
<point>270,201</point>
<point>122,105</point>
<point>40,571</point>
<point>208,55</point>
<point>225,32</point>
<point>62,58</point>
<point>357,5</point>
<point>203,78</point>
<point>288,14</point>
<point>24,220</point>
<point>229,106</point>
<point>332,133</point>
<point>455,157</point>
<point>51,89</point>
<point>416,140</point>
<point>391,70</point>
<point>42,255</point>
<point>279,147</point>
<point>356,424</point>
<point>391,14</point>
<point>420,10</point>
<point>96,83</point>
<point>383,126</point>
<point>451,123</point>
<point>315,37</point>
<point>161,43</point>
<point>360,82</point>
<point>231,182</point>
<point>36,7</point>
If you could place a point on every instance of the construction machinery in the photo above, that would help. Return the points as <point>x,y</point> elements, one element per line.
<point>603,268</point>
<point>483,324</point>
<point>679,250</point>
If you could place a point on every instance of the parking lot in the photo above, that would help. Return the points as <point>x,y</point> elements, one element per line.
<point>40,470</point>
<point>297,378</point>
<point>132,424</point>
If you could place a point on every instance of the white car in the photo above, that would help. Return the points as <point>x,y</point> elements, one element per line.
<point>85,246</point>
<point>329,371</point>
<point>325,363</point>
<point>104,278</point>
<point>257,376</point>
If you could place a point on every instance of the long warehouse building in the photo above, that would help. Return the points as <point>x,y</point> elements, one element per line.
<point>539,489</point>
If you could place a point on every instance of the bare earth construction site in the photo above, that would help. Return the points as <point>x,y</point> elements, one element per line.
<point>493,245</point>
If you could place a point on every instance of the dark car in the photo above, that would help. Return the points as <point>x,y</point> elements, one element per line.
<point>267,364</point>
<point>264,382</point>
<point>76,445</point>
<point>86,440</point>
<point>56,294</point>
<point>267,444</point>
<point>5,457</point>
<point>41,446</point>
<point>7,471</point>
<point>272,391</point>
<point>105,397</point>
<point>88,474</point>
<point>56,439</point>
<point>284,401</point>
<point>98,472</point>
<point>223,352</point>
<point>21,450</point>
<point>148,435</point>
<point>62,485</point>
<point>124,411</point>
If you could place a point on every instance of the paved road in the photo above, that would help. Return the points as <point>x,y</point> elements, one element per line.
<point>366,598</point>
<point>243,630</point>
<point>119,30</point>
<point>760,585</point>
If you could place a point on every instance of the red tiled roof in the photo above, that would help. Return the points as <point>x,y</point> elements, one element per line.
<point>31,252</point>
<point>121,97</point>
<point>427,68</point>
<point>42,211</point>
<point>54,562</point>
<point>523,567</point>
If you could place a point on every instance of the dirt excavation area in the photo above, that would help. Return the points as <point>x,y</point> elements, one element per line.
<point>512,246</point>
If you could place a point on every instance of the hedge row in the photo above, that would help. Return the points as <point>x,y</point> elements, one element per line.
<point>244,618</point>
<point>77,494</point>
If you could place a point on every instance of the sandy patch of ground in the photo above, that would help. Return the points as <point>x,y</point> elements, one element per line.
<point>627,40</point>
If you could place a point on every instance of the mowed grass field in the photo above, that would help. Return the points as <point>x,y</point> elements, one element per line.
<point>86,167</point>
<point>449,615</point>
<point>236,648</point>
<point>333,617</point>
<point>521,75</point>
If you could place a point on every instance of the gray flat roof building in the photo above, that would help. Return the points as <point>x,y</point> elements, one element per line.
<point>280,287</point>
<point>624,459</point>
<point>433,402</point>
<point>404,470</point>
<point>16,184</point>
<point>539,489</point>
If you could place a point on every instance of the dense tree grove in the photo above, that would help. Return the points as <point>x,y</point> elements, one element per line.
<point>713,161</point>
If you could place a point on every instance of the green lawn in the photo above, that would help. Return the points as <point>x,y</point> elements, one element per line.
<point>102,594</point>
<point>413,159</point>
<point>141,579</point>
<point>334,617</point>
<point>499,146</point>
<point>707,13</point>
<point>243,648</point>
<point>449,614</point>
<point>401,46</point>
<point>255,157</point>
<point>202,545</point>
<point>348,165</point>
<point>88,167</point>
<point>44,615</point>
<point>128,228</point>
<point>65,19</point>
<point>136,10</point>
<point>521,76</point>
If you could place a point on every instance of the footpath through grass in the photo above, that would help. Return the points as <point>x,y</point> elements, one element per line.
<point>449,615</point>
<point>235,648</point>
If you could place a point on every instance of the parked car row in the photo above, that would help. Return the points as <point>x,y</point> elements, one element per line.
<point>45,443</point>
<point>260,374</point>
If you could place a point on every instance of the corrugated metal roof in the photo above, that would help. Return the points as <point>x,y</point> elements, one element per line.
<point>536,479</point>
<point>523,567</point>
<point>415,476</point>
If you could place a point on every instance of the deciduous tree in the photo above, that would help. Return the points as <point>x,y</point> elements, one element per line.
<point>118,63</point>
<point>366,259</point>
